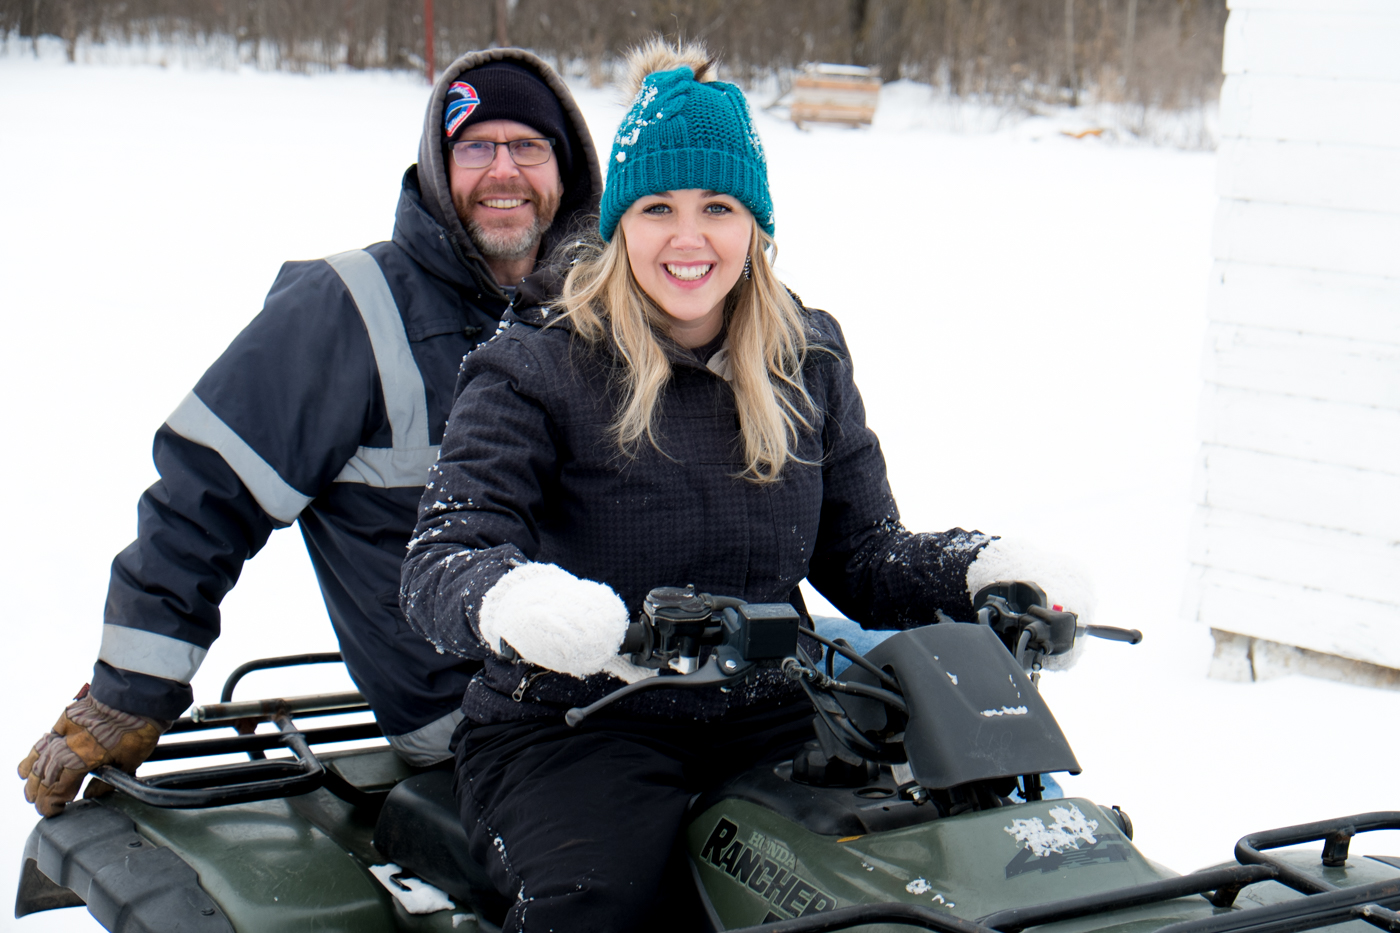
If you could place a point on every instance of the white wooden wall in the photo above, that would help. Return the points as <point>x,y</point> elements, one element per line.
<point>1296,535</point>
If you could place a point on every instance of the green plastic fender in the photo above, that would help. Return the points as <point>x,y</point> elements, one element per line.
<point>273,867</point>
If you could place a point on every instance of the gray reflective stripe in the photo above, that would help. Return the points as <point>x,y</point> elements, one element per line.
<point>428,745</point>
<point>404,397</point>
<point>194,421</point>
<point>388,468</point>
<point>134,649</point>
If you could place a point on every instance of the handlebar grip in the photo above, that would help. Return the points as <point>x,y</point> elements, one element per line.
<point>1130,635</point>
<point>1058,629</point>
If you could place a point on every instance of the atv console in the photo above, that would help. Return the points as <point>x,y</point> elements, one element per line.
<point>873,807</point>
<point>973,713</point>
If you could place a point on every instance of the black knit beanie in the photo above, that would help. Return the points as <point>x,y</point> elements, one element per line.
<point>507,91</point>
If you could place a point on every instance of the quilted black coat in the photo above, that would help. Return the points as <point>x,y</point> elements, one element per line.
<point>528,472</point>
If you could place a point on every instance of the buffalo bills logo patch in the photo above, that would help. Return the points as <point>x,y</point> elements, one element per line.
<point>462,99</point>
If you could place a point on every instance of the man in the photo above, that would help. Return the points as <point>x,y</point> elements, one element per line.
<point>327,411</point>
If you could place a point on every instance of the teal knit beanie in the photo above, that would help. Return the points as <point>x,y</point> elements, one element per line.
<point>682,133</point>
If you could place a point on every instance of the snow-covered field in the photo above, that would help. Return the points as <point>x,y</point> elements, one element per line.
<point>1026,312</point>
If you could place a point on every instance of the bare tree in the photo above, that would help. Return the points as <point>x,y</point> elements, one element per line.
<point>1158,53</point>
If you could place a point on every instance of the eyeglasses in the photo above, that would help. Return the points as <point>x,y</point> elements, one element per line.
<point>479,153</point>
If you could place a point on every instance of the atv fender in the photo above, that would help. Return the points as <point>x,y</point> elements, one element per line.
<point>93,855</point>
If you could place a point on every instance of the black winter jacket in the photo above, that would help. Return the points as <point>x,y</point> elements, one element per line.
<point>308,417</point>
<point>528,472</point>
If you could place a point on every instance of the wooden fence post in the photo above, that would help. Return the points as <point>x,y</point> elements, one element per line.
<point>1128,37</point>
<point>429,45</point>
<point>1069,53</point>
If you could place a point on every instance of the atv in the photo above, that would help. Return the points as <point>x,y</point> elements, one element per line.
<point>920,802</point>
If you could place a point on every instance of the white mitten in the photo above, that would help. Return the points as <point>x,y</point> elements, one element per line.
<point>1066,583</point>
<point>556,621</point>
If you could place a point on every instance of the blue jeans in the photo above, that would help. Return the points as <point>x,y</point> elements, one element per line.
<point>861,639</point>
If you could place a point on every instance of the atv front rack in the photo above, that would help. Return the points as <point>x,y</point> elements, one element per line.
<point>260,778</point>
<point>1322,905</point>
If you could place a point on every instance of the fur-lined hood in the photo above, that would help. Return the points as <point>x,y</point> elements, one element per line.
<point>582,187</point>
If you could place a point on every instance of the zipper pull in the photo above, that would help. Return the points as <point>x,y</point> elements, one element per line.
<point>525,682</point>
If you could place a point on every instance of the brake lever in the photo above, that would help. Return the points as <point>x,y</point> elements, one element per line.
<point>1130,635</point>
<point>722,666</point>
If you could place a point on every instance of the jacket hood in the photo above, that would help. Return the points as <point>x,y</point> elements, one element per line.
<point>583,185</point>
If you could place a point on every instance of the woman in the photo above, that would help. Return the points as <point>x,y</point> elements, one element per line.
<point>676,417</point>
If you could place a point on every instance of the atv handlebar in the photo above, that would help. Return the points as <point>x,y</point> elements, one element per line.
<point>1031,630</point>
<point>678,625</point>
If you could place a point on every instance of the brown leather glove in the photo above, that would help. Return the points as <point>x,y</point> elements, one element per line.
<point>88,735</point>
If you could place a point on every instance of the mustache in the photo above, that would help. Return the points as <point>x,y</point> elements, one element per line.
<point>505,191</point>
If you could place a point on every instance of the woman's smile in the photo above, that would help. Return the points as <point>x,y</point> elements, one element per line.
<point>688,275</point>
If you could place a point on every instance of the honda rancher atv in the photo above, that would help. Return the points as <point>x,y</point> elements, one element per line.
<point>917,804</point>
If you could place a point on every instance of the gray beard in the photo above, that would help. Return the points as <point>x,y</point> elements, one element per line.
<point>506,244</point>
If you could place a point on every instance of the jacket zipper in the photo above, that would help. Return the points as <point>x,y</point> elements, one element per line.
<point>525,682</point>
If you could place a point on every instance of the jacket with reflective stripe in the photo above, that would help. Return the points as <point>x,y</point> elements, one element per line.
<point>326,411</point>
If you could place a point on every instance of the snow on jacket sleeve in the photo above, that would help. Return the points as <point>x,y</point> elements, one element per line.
<point>865,561</point>
<point>270,424</point>
<point>489,485</point>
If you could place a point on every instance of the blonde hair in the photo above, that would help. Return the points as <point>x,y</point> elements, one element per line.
<point>767,346</point>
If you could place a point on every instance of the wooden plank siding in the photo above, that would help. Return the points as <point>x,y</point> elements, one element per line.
<point>1306,429</point>
<point>1360,307</point>
<point>1285,363</point>
<point>1321,495</point>
<point>1309,174</point>
<point>1318,620</point>
<point>1295,554</point>
<point>1330,40</point>
<point>1296,535</point>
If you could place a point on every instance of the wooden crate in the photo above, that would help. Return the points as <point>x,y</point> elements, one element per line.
<point>825,93</point>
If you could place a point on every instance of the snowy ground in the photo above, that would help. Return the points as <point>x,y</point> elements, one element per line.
<point>1026,312</point>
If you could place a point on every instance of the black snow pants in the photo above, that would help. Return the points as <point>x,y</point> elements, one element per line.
<point>577,827</point>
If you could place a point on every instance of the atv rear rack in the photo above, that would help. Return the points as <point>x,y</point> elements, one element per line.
<point>1322,905</point>
<point>260,778</point>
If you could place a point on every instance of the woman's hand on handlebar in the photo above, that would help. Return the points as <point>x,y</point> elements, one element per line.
<point>555,620</point>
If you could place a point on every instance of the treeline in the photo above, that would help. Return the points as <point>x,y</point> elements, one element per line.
<point>1161,53</point>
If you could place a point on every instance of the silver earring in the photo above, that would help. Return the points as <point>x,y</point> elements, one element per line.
<point>748,268</point>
